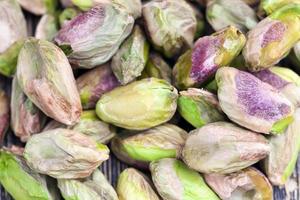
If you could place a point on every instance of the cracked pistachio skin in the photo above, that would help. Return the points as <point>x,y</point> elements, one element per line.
<point>64,154</point>
<point>246,184</point>
<point>198,65</point>
<point>222,147</point>
<point>272,38</point>
<point>47,27</point>
<point>96,187</point>
<point>139,105</point>
<point>46,77</point>
<point>138,149</point>
<point>93,37</point>
<point>252,103</point>
<point>26,118</point>
<point>130,60</point>
<point>199,107</point>
<point>157,67</point>
<point>4,114</point>
<point>39,7</point>
<point>283,79</point>
<point>269,6</point>
<point>170,31</point>
<point>67,15</point>
<point>222,13</point>
<point>20,181</point>
<point>12,23</point>
<point>94,83</point>
<point>134,185</point>
<point>187,184</point>
<point>281,161</point>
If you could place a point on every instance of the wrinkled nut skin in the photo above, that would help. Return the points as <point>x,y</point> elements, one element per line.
<point>93,37</point>
<point>185,182</point>
<point>13,24</point>
<point>139,105</point>
<point>39,7</point>
<point>64,154</point>
<point>198,65</point>
<point>4,114</point>
<point>220,14</point>
<point>281,161</point>
<point>94,83</point>
<point>164,141</point>
<point>46,77</point>
<point>130,60</point>
<point>253,103</point>
<point>222,147</point>
<point>171,32</point>
<point>134,185</point>
<point>67,15</point>
<point>19,180</point>
<point>272,38</point>
<point>246,184</point>
<point>269,6</point>
<point>26,118</point>
<point>199,107</point>
<point>47,27</point>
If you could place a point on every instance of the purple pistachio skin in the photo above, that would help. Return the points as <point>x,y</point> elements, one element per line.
<point>269,77</point>
<point>4,114</point>
<point>94,83</point>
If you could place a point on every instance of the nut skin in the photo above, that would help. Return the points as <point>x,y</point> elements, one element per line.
<point>39,7</point>
<point>269,6</point>
<point>222,147</point>
<point>47,27</point>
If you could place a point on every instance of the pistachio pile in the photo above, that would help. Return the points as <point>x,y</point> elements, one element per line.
<point>201,99</point>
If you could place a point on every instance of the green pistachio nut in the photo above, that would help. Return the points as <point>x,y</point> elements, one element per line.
<point>39,7</point>
<point>67,15</point>
<point>46,77</point>
<point>130,60</point>
<point>272,38</point>
<point>222,13</point>
<point>26,118</point>
<point>281,161</point>
<point>20,181</point>
<point>95,187</point>
<point>93,37</point>
<point>47,27</point>
<point>64,154</point>
<point>198,65</point>
<point>199,107</point>
<point>222,147</point>
<point>13,24</point>
<point>138,149</point>
<point>134,185</point>
<point>157,67</point>
<point>139,105</point>
<point>246,184</point>
<point>186,183</point>
<point>252,103</point>
<point>4,114</point>
<point>269,6</point>
<point>170,31</point>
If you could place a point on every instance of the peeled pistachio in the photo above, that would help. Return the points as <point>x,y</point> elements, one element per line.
<point>170,31</point>
<point>198,65</point>
<point>272,38</point>
<point>130,60</point>
<point>281,161</point>
<point>222,147</point>
<point>46,77</point>
<point>139,105</point>
<point>4,114</point>
<point>247,184</point>
<point>93,37</point>
<point>39,7</point>
<point>283,79</point>
<point>269,6</point>
<point>65,154</point>
<point>26,118</point>
<point>67,15</point>
<point>222,13</point>
<point>94,83</point>
<point>12,23</point>
<point>157,67</point>
<point>96,187</point>
<point>253,103</point>
<point>20,181</point>
<point>47,27</point>
<point>175,181</point>
<point>164,141</point>
<point>134,185</point>
<point>199,107</point>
